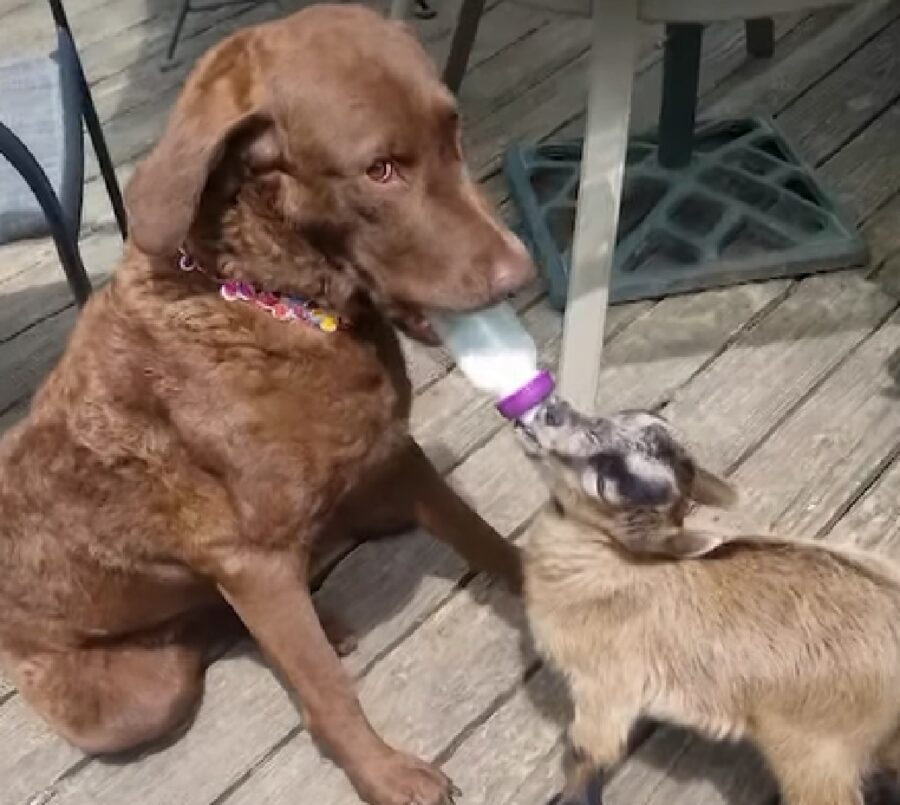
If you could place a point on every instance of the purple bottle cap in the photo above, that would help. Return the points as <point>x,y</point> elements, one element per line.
<point>533,393</point>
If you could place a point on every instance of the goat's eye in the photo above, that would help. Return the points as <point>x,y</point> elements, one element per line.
<point>381,170</point>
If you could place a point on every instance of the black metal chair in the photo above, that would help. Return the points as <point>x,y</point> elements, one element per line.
<point>43,101</point>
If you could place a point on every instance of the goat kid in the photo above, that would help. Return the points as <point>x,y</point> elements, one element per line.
<point>792,644</point>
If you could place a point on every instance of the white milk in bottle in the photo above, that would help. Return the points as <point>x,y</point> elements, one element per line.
<point>498,356</point>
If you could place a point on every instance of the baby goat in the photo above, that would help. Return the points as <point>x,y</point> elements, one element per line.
<point>793,644</point>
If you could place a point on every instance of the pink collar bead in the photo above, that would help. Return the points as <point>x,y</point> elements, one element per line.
<point>284,307</point>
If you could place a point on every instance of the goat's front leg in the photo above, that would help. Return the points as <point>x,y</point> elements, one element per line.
<point>269,592</point>
<point>597,738</point>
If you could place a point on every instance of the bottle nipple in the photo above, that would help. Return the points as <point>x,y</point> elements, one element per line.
<point>521,403</point>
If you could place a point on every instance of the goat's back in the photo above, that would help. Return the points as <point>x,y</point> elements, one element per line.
<point>758,626</point>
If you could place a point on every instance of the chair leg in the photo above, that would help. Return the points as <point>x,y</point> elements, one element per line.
<point>463,41</point>
<point>18,155</point>
<point>760,37</point>
<point>681,80</point>
<point>92,122</point>
<point>613,53</point>
<point>107,169</point>
<point>176,31</point>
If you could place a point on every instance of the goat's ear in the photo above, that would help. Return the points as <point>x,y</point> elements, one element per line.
<point>690,544</point>
<point>708,489</point>
<point>223,95</point>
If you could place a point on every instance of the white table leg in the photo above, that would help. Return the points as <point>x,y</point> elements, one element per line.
<point>613,55</point>
<point>400,9</point>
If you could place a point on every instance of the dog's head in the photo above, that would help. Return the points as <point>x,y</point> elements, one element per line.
<point>327,140</point>
<point>626,474</point>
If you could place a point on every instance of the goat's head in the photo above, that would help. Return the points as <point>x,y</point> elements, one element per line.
<point>627,474</point>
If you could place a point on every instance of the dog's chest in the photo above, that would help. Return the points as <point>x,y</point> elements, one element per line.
<point>301,427</point>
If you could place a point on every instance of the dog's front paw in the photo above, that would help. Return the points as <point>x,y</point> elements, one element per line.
<point>405,780</point>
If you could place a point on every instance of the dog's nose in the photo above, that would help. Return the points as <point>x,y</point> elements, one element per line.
<point>512,269</point>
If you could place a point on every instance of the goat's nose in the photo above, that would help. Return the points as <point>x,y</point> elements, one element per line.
<point>513,267</point>
<point>553,413</point>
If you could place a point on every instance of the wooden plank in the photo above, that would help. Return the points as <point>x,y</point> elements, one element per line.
<point>696,773</point>
<point>874,520</point>
<point>35,296</point>
<point>674,341</point>
<point>541,109</point>
<point>882,233</point>
<point>29,27</point>
<point>25,364</point>
<point>866,173</point>
<point>838,437</point>
<point>560,42</point>
<point>804,62</point>
<point>522,729</point>
<point>28,754</point>
<point>787,352</point>
<point>859,90</point>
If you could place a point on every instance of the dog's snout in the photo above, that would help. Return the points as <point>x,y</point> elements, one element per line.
<point>512,269</point>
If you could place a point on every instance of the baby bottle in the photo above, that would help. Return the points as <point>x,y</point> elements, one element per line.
<point>498,356</point>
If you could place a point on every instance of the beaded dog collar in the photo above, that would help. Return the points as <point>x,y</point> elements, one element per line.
<point>284,307</point>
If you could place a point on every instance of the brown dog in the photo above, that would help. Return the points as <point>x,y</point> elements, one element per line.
<point>190,451</point>
<point>794,644</point>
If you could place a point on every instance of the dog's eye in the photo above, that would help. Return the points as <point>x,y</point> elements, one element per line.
<point>381,170</point>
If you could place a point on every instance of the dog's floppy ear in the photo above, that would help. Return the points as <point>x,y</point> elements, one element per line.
<point>222,95</point>
<point>708,489</point>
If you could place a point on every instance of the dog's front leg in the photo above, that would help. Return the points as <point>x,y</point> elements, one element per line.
<point>268,590</point>
<point>445,515</point>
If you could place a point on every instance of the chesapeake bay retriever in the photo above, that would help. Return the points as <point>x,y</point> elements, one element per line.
<point>191,450</point>
<point>792,643</point>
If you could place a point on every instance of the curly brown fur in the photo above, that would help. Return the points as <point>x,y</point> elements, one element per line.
<point>188,456</point>
<point>792,644</point>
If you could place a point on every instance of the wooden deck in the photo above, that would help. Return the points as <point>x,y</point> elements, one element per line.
<point>792,388</point>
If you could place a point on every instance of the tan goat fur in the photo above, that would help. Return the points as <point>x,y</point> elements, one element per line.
<point>792,644</point>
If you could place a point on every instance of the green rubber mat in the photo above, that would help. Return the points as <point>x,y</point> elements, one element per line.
<point>745,209</point>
